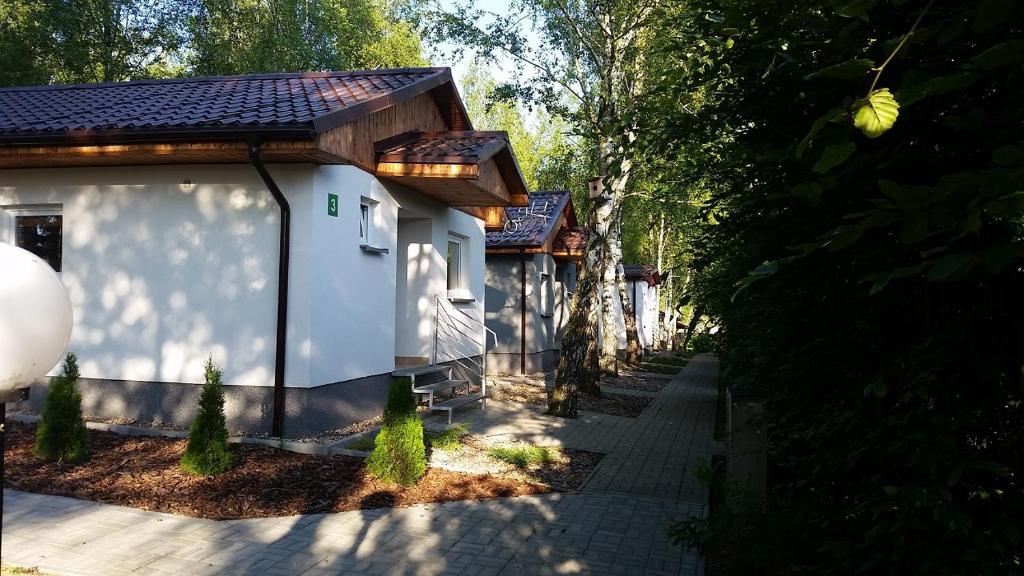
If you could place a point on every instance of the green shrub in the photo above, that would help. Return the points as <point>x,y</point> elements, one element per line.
<point>523,456</point>
<point>447,439</point>
<point>61,434</point>
<point>703,342</point>
<point>207,453</point>
<point>399,454</point>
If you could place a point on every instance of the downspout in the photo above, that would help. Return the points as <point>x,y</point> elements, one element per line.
<point>636,314</point>
<point>284,249</point>
<point>522,311</point>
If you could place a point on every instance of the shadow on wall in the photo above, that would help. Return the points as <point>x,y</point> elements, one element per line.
<point>162,276</point>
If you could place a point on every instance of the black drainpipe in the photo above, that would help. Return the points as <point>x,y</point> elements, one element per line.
<point>284,248</point>
<point>522,310</point>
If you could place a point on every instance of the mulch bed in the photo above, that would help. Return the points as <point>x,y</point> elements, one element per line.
<point>142,472</point>
<point>633,381</point>
<point>521,390</point>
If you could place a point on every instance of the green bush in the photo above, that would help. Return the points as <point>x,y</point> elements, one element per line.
<point>61,434</point>
<point>447,439</point>
<point>207,453</point>
<point>703,342</point>
<point>399,454</point>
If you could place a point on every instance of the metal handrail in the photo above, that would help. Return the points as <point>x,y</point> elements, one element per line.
<point>449,326</point>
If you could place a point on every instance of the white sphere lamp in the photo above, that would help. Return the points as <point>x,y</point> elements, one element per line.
<point>35,318</point>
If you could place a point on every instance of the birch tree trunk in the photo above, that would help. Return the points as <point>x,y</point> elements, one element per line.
<point>633,349</point>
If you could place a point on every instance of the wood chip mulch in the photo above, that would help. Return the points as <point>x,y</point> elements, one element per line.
<point>142,472</point>
<point>633,381</point>
<point>520,390</point>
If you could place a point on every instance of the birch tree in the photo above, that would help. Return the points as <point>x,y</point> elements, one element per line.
<point>582,60</point>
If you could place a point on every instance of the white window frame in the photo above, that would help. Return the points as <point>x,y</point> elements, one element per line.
<point>459,292</point>
<point>9,214</point>
<point>369,207</point>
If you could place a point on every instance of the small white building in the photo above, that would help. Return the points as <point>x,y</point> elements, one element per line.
<point>301,229</point>
<point>642,281</point>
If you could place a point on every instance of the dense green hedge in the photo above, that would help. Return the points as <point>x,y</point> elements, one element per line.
<point>882,305</point>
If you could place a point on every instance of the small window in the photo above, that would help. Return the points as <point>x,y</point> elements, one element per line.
<point>547,295</point>
<point>455,263</point>
<point>40,231</point>
<point>365,221</point>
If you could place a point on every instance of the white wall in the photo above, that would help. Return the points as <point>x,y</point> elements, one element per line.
<point>162,275</point>
<point>424,226</point>
<point>352,298</point>
<point>645,309</point>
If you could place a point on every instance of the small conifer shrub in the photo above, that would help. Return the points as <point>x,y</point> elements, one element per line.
<point>207,453</point>
<point>399,454</point>
<point>61,433</point>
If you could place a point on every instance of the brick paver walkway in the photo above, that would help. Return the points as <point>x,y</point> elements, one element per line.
<point>616,525</point>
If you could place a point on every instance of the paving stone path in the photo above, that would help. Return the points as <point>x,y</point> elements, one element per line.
<point>615,525</point>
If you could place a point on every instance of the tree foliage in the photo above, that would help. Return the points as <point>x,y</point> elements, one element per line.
<point>399,454</point>
<point>207,453</point>
<point>61,433</point>
<point>865,269</point>
<point>54,41</point>
<point>250,36</point>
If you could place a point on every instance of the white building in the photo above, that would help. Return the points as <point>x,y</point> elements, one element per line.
<point>642,281</point>
<point>301,229</point>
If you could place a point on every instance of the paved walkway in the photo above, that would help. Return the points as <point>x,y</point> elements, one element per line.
<point>615,525</point>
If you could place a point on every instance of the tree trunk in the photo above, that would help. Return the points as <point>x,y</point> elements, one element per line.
<point>697,312</point>
<point>608,360</point>
<point>633,348</point>
<point>659,335</point>
<point>577,368</point>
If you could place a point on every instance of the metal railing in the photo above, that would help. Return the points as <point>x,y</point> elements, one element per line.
<point>459,338</point>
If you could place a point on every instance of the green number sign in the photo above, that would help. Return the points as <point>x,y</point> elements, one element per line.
<point>332,205</point>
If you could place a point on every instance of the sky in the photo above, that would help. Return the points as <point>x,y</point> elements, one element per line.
<point>501,72</point>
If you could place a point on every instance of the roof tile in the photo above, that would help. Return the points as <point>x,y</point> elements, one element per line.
<point>281,100</point>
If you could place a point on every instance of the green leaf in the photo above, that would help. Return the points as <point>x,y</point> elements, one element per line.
<point>853,69</point>
<point>855,9</point>
<point>810,191</point>
<point>833,156</point>
<point>1000,55</point>
<point>933,87</point>
<point>907,198</point>
<point>950,265</point>
<point>991,13</point>
<point>729,43</point>
<point>876,114</point>
<point>833,115</point>
<point>1008,156</point>
<point>914,229</point>
<point>890,490</point>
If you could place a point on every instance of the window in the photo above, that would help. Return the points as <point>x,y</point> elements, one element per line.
<point>365,221</point>
<point>38,230</point>
<point>455,263</point>
<point>547,296</point>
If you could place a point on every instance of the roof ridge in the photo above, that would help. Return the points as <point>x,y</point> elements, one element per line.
<point>202,79</point>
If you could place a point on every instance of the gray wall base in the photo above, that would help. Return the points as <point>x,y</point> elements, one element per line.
<point>308,411</point>
<point>503,363</point>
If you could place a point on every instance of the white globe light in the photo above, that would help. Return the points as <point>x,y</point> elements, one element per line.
<point>35,317</point>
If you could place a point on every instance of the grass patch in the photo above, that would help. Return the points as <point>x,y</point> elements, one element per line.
<point>364,443</point>
<point>447,439</point>
<point>669,361</point>
<point>660,368</point>
<point>8,570</point>
<point>523,456</point>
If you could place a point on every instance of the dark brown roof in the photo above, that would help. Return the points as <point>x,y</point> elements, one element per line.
<point>572,240</point>
<point>646,272</point>
<point>291,105</point>
<point>465,147</point>
<point>536,221</point>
